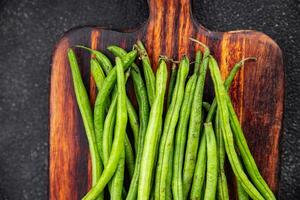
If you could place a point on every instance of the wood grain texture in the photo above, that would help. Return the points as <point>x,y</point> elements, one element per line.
<point>257,92</point>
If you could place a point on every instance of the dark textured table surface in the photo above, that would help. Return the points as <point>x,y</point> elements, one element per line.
<point>28,32</point>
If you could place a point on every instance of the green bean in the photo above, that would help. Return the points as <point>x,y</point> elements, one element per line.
<point>129,156</point>
<point>247,158</point>
<point>222,187</point>
<point>107,140</point>
<point>227,85</point>
<point>141,93</point>
<point>152,134</point>
<point>119,136</point>
<point>170,123</point>
<point>212,163</point>
<point>108,134</point>
<point>148,72</point>
<point>206,106</point>
<point>87,117</point>
<point>242,194</point>
<point>181,138</point>
<point>97,73</point>
<point>197,62</point>
<point>102,96</point>
<point>142,99</point>
<point>134,122</point>
<point>108,130</point>
<point>222,183</point>
<point>118,179</point>
<point>241,141</point>
<point>172,83</point>
<point>198,188</point>
<point>101,58</point>
<point>169,195</point>
<point>194,128</point>
<point>157,142</point>
<point>199,172</point>
<point>132,116</point>
<point>221,94</point>
<point>116,50</point>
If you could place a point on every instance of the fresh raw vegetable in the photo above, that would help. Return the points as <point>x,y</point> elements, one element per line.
<point>119,135</point>
<point>152,136</point>
<point>180,141</point>
<point>167,140</point>
<point>148,72</point>
<point>87,118</point>
<point>195,126</point>
<point>101,58</point>
<point>172,83</point>
<point>101,99</point>
<point>227,133</point>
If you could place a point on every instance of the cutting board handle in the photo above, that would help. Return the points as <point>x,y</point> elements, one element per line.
<point>160,9</point>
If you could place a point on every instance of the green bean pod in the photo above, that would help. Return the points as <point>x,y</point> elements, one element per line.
<point>227,84</point>
<point>119,136</point>
<point>101,58</point>
<point>172,83</point>
<point>212,163</point>
<point>242,194</point>
<point>118,179</point>
<point>181,138</point>
<point>157,142</point>
<point>194,130</point>
<point>170,123</point>
<point>222,187</point>
<point>103,95</point>
<point>132,116</point>
<point>221,94</point>
<point>148,72</point>
<point>169,195</point>
<point>247,158</point>
<point>152,134</point>
<point>107,140</point>
<point>87,117</point>
<point>108,130</point>
<point>129,156</point>
<point>198,189</point>
<point>134,122</point>
<point>142,99</point>
<point>240,138</point>
<point>197,62</point>
<point>108,133</point>
<point>97,73</point>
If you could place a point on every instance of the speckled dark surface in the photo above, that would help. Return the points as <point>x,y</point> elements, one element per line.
<point>28,32</point>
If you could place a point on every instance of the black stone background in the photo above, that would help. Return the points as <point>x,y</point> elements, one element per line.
<point>28,32</point>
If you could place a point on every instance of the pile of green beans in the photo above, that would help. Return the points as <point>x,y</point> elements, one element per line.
<point>165,140</point>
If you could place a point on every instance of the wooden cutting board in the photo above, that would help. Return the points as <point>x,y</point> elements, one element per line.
<point>257,92</point>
